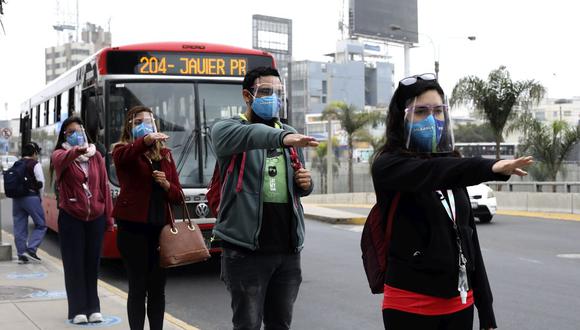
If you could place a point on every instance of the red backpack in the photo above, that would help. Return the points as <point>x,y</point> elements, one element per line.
<point>375,242</point>
<point>214,189</point>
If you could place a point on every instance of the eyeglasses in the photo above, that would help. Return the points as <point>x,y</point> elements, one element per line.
<point>421,112</point>
<point>267,89</point>
<point>413,79</point>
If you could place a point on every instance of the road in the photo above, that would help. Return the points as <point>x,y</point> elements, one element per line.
<point>533,287</point>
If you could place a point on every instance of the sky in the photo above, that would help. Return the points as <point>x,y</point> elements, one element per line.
<point>533,39</point>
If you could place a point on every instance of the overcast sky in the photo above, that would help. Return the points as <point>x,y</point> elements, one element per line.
<point>534,39</point>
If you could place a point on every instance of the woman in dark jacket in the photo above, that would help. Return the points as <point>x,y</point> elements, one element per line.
<point>435,271</point>
<point>148,180</point>
<point>84,205</point>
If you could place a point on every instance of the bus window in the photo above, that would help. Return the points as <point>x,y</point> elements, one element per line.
<point>49,114</point>
<point>63,105</point>
<point>217,101</point>
<point>174,107</point>
<point>36,117</point>
<point>71,102</point>
<point>56,117</point>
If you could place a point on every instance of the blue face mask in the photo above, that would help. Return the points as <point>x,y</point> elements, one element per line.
<point>267,107</point>
<point>141,130</point>
<point>426,134</point>
<point>76,139</point>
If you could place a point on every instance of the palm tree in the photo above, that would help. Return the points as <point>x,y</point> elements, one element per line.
<point>496,98</point>
<point>351,121</point>
<point>319,162</point>
<point>550,145</point>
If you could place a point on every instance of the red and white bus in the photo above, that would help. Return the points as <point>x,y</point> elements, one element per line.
<point>189,86</point>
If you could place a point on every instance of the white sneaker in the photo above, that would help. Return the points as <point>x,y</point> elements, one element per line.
<point>96,318</point>
<point>80,319</point>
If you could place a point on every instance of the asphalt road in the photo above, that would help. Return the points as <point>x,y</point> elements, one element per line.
<point>533,287</point>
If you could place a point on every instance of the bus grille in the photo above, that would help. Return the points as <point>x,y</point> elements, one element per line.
<point>192,208</point>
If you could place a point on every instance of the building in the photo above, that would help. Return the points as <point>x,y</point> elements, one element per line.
<point>356,76</point>
<point>61,58</point>
<point>274,35</point>
<point>550,110</point>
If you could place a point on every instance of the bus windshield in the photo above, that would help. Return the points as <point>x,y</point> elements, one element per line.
<point>183,110</point>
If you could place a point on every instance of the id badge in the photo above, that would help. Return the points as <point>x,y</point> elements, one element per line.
<point>462,285</point>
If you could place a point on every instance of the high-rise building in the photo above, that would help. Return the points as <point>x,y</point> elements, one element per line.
<point>61,58</point>
<point>274,35</point>
<point>358,76</point>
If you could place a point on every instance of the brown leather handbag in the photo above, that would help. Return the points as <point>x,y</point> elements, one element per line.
<point>181,243</point>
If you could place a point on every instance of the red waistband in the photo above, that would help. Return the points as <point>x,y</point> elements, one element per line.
<point>417,303</point>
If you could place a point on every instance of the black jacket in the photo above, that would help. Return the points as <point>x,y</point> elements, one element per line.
<point>423,256</point>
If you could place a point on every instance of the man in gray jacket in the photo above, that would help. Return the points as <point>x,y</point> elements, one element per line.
<point>261,223</point>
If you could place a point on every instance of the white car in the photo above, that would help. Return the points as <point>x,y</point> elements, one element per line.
<point>483,202</point>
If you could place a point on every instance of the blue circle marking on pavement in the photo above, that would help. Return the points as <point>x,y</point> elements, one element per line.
<point>108,320</point>
<point>48,294</point>
<point>26,276</point>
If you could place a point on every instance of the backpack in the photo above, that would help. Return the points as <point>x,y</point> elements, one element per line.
<point>18,181</point>
<point>375,243</point>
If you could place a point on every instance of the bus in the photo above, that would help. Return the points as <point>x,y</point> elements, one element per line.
<point>189,86</point>
<point>487,149</point>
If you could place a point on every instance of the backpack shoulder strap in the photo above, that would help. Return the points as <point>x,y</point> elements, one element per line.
<point>390,217</point>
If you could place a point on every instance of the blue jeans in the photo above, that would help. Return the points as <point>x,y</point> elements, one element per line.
<point>262,287</point>
<point>22,208</point>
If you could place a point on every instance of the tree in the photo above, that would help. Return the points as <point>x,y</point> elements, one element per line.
<point>473,133</point>
<point>319,162</point>
<point>496,98</point>
<point>550,144</point>
<point>352,121</point>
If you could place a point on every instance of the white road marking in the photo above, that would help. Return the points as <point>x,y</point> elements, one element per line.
<point>569,255</point>
<point>534,261</point>
<point>353,228</point>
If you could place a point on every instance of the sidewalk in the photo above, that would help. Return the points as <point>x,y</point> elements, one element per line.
<point>32,296</point>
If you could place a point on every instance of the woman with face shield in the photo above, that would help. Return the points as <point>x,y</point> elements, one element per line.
<point>148,180</point>
<point>84,203</point>
<point>435,272</point>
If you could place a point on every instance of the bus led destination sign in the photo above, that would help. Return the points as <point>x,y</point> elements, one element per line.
<point>183,64</point>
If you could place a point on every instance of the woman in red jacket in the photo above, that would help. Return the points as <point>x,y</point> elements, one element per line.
<point>148,180</point>
<point>84,213</point>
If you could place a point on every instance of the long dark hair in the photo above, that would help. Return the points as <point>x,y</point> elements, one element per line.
<point>126,134</point>
<point>395,127</point>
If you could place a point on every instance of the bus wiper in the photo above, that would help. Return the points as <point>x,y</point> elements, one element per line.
<point>191,141</point>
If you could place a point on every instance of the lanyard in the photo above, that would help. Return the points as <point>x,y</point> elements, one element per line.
<point>450,205</point>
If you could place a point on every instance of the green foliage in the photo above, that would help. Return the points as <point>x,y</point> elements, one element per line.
<point>320,161</point>
<point>352,122</point>
<point>473,133</point>
<point>550,144</point>
<point>496,97</point>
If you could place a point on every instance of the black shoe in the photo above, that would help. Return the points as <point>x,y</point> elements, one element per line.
<point>32,256</point>
<point>22,260</point>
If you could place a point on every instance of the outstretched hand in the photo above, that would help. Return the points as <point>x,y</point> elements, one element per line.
<point>299,141</point>
<point>513,166</point>
<point>153,137</point>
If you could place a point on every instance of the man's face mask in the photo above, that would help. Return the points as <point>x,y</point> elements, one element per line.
<point>426,126</point>
<point>268,100</point>
<point>143,124</point>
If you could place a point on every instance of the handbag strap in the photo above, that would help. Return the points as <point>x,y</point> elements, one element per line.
<point>186,215</point>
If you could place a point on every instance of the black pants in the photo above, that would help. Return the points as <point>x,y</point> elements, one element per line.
<point>138,245</point>
<point>80,247</point>
<point>397,320</point>
<point>262,287</point>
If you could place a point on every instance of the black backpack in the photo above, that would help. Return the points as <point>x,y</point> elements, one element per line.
<point>19,180</point>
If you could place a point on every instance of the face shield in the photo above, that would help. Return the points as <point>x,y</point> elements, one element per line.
<point>428,128</point>
<point>269,101</point>
<point>77,137</point>
<point>142,124</point>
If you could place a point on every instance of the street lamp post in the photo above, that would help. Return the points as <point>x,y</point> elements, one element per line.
<point>394,27</point>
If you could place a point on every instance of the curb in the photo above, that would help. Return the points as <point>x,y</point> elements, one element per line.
<point>57,263</point>
<point>337,220</point>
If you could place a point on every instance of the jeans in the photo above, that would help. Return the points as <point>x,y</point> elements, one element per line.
<point>22,208</point>
<point>138,247</point>
<point>80,247</point>
<point>263,287</point>
<point>398,320</point>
